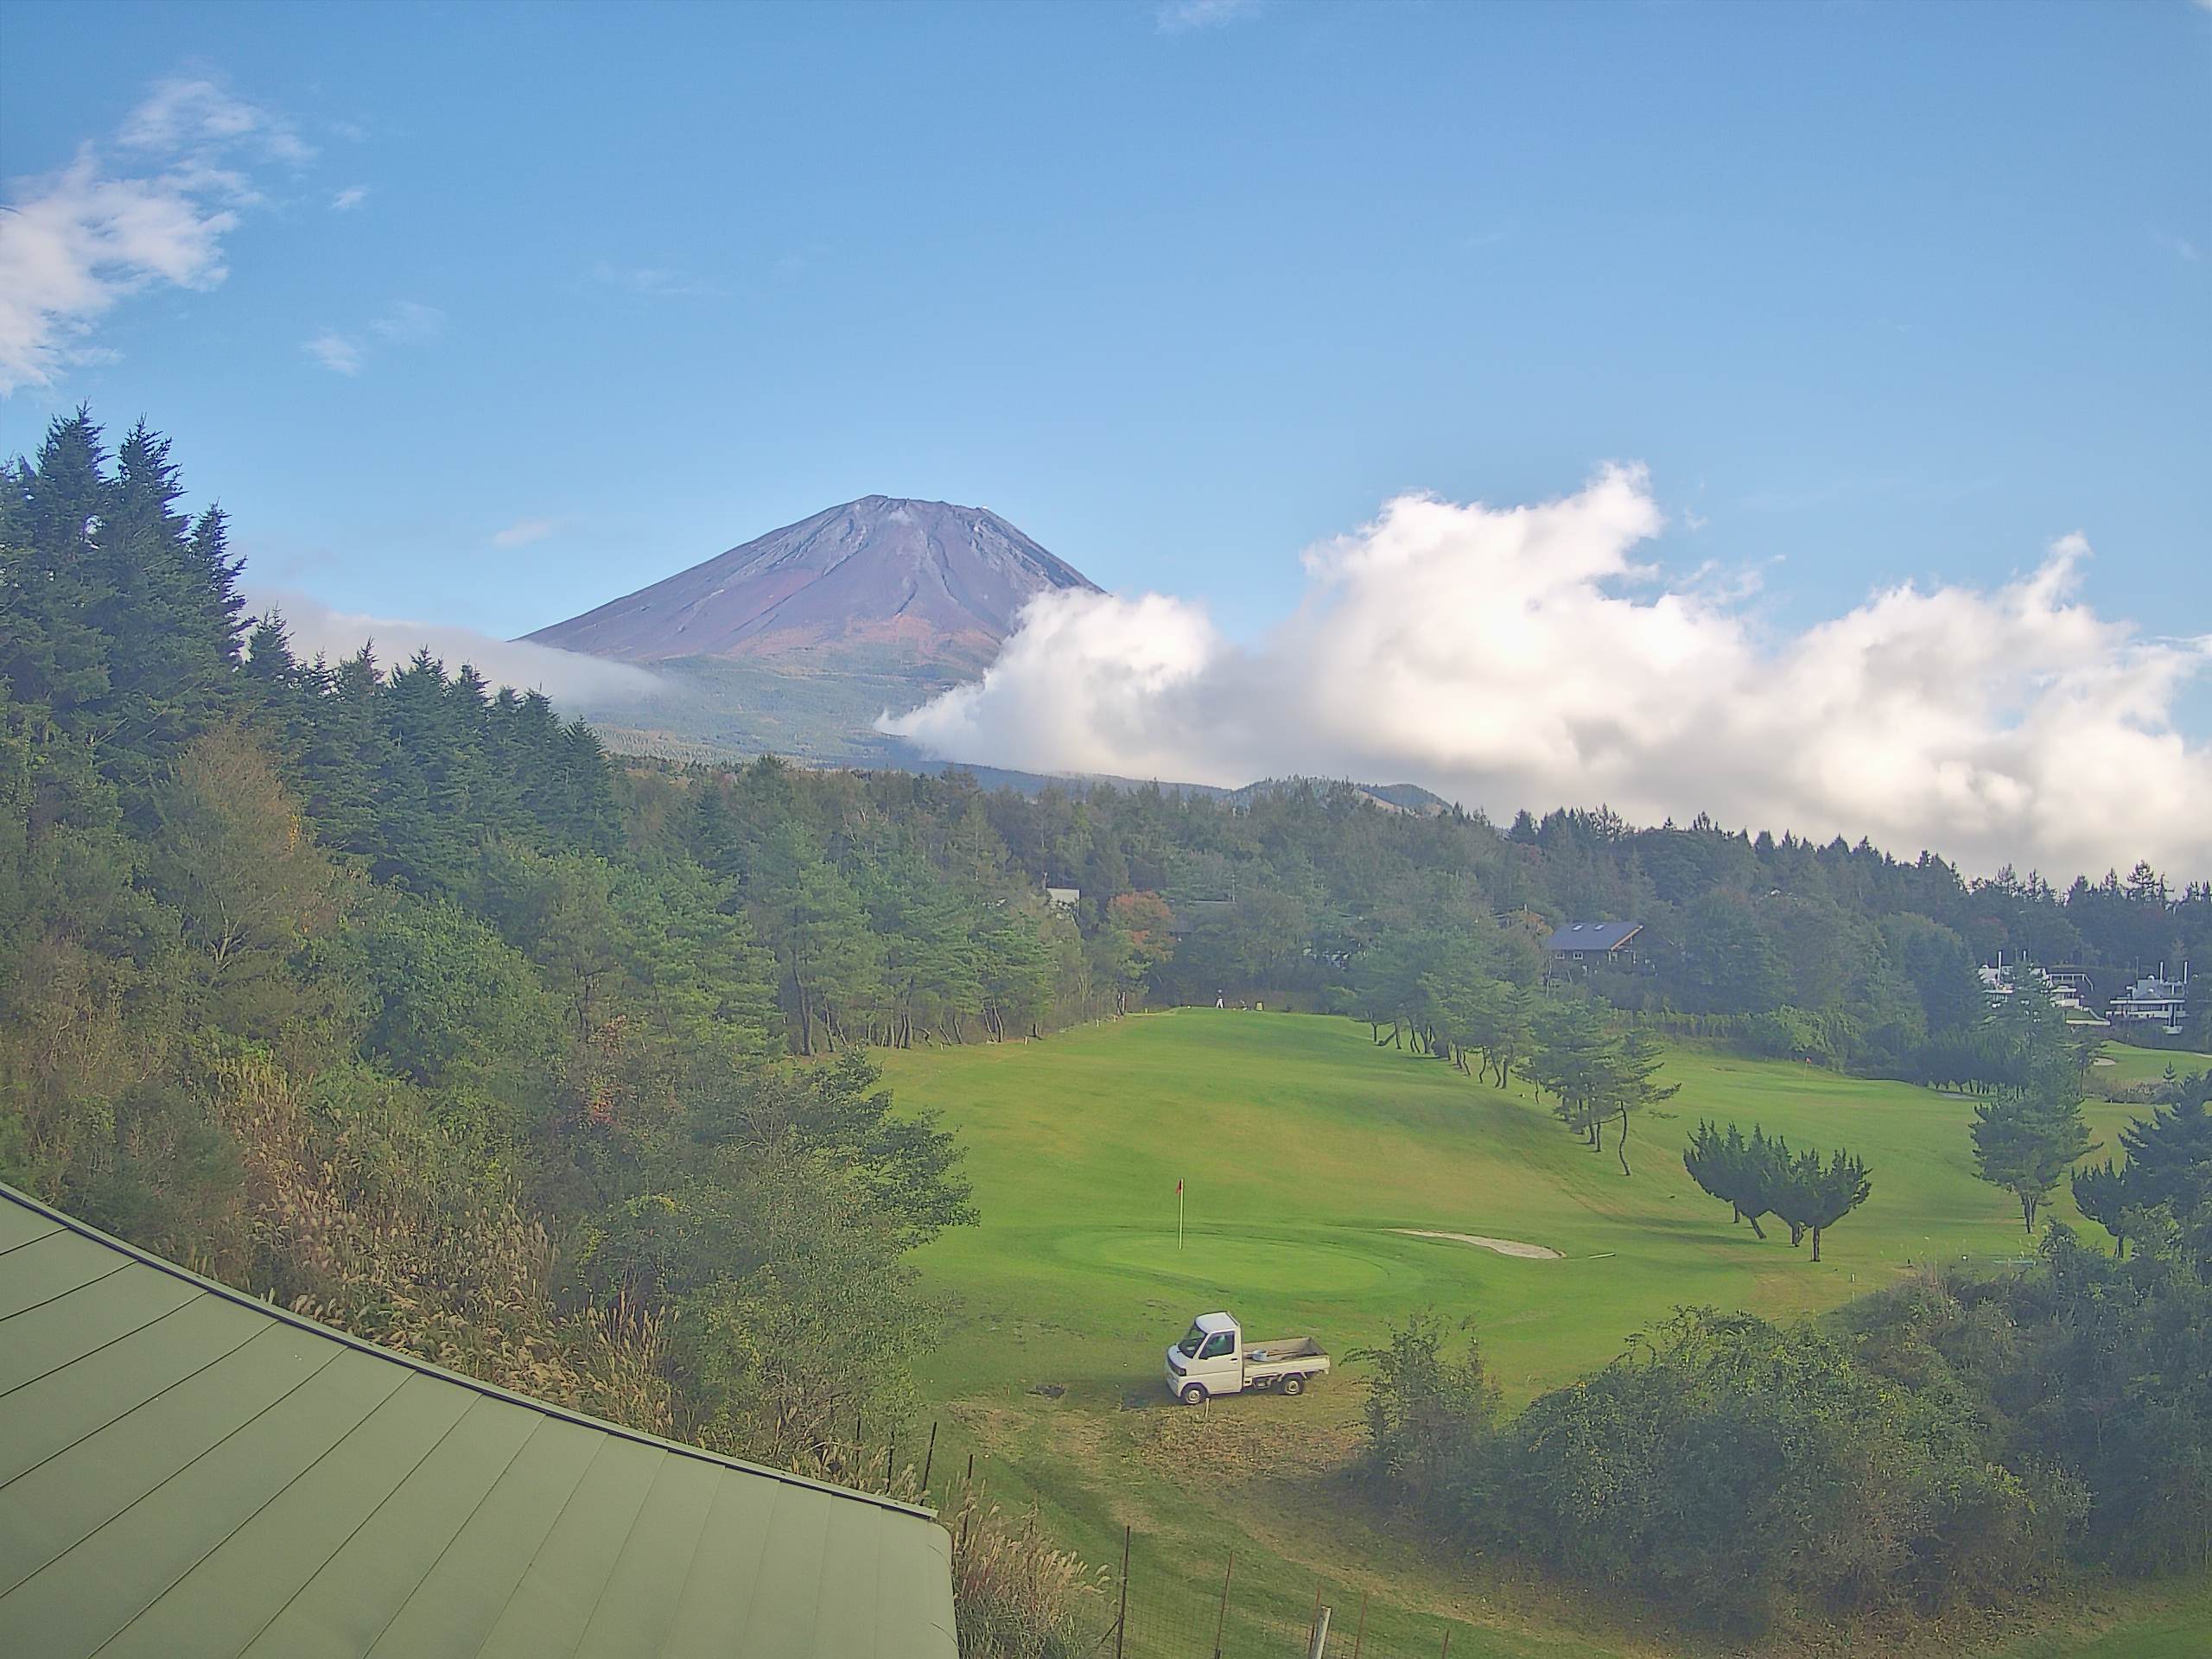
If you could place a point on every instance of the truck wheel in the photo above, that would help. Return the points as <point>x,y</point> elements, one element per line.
<point>1293,1385</point>
<point>1194,1394</point>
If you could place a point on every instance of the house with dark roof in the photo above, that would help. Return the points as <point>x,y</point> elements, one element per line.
<point>1592,942</point>
<point>186,1473</point>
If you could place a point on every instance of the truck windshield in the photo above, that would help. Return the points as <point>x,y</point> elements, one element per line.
<point>1189,1346</point>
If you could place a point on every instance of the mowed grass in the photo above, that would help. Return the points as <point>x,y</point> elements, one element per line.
<point>2132,1064</point>
<point>1302,1145</point>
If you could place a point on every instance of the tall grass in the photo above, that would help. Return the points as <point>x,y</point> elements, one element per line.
<point>466,1286</point>
<point>1014,1595</point>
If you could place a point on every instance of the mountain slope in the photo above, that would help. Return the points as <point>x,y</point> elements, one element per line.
<point>919,581</point>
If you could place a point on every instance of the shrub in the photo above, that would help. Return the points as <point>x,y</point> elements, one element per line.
<point>1738,1471</point>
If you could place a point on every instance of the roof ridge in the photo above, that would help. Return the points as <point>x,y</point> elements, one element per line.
<point>393,1356</point>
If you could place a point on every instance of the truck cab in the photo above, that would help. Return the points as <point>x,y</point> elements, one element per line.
<point>1214,1359</point>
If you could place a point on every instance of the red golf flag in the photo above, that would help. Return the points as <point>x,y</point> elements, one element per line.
<point>1178,1189</point>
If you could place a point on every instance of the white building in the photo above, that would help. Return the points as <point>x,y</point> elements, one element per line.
<point>2154,1000</point>
<point>2067,990</point>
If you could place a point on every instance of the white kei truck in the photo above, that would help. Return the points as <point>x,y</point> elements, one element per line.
<point>1213,1358</point>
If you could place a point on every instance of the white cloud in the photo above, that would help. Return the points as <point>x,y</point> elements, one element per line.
<point>340,354</point>
<point>523,531</point>
<point>563,675</point>
<point>200,119</point>
<point>75,241</point>
<point>348,199</point>
<point>404,322</point>
<point>2180,246</point>
<point>1179,16</point>
<point>1520,656</point>
<point>654,282</point>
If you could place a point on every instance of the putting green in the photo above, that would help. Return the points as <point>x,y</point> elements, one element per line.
<point>1232,1267</point>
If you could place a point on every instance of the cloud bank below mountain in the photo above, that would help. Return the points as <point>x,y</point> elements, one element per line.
<point>1521,656</point>
<point>566,677</point>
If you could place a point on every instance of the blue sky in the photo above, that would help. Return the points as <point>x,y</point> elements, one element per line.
<point>1875,292</point>
<point>1880,291</point>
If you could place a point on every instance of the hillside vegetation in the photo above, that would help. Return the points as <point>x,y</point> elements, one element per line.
<point>386,994</point>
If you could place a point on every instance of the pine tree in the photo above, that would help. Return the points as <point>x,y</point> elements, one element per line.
<point>2101,1192</point>
<point>53,658</point>
<point>1631,1087</point>
<point>1749,1176</point>
<point>217,611</point>
<point>169,678</point>
<point>342,756</point>
<point>2170,1155</point>
<point>1812,1197</point>
<point>1577,1059</point>
<point>2026,1143</point>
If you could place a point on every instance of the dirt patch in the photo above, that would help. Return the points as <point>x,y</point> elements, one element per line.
<point>1503,1246</point>
<point>1244,1437</point>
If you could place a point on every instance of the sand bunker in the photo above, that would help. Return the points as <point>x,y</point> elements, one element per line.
<point>1503,1246</point>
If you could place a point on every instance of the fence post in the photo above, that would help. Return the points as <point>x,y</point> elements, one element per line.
<point>1320,1646</point>
<point>1222,1618</point>
<point>1447,1643</point>
<point>929,1461</point>
<point>1122,1618</point>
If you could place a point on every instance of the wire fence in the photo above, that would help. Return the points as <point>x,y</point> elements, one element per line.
<point>1154,1601</point>
<point>1160,1614</point>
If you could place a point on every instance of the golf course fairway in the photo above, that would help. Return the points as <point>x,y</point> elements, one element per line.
<point>1303,1148</point>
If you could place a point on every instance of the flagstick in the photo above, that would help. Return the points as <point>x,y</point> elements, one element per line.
<point>1179,1215</point>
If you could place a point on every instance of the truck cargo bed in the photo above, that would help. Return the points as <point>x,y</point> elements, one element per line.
<point>1281,1350</point>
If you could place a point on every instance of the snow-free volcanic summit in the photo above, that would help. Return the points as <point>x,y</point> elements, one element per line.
<point>942,582</point>
<point>796,641</point>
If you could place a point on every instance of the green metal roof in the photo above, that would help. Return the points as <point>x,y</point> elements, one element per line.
<point>186,1472</point>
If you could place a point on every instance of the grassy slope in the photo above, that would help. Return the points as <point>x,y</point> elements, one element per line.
<point>1302,1144</point>
<point>819,707</point>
